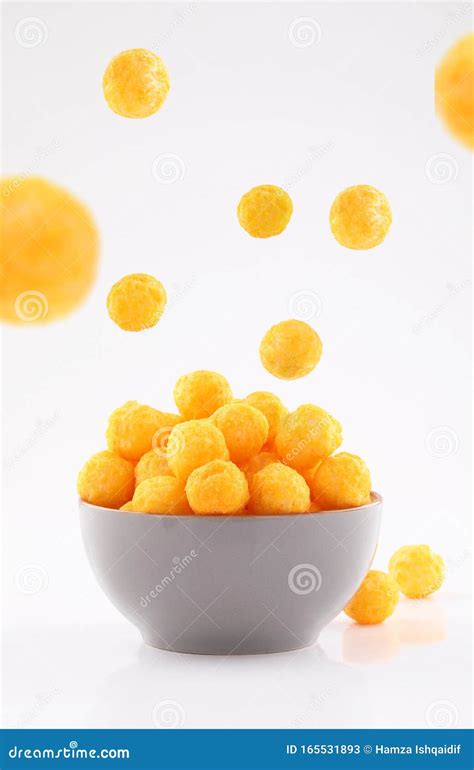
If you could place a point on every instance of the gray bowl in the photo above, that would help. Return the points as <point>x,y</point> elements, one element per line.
<point>230,585</point>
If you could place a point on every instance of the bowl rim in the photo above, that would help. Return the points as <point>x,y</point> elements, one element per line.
<point>376,501</point>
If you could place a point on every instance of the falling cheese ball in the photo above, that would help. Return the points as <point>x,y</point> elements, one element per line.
<point>136,302</point>
<point>259,462</point>
<point>265,211</point>
<point>290,349</point>
<point>418,571</point>
<point>307,435</point>
<point>341,481</point>
<point>133,428</point>
<point>106,480</point>
<point>375,599</point>
<point>218,487</point>
<point>360,217</point>
<point>273,409</point>
<point>192,444</point>
<point>245,430</point>
<point>277,489</point>
<point>136,83</point>
<point>49,250</point>
<point>161,494</point>
<point>199,394</point>
<point>454,90</point>
<point>151,464</point>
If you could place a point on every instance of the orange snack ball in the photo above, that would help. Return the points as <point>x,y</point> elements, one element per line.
<point>417,570</point>
<point>375,599</point>
<point>218,487</point>
<point>136,302</point>
<point>127,506</point>
<point>360,217</point>
<point>259,462</point>
<point>454,90</point>
<point>49,249</point>
<point>151,464</point>
<point>245,430</point>
<point>341,481</point>
<point>314,507</point>
<point>273,409</point>
<point>136,83</point>
<point>307,434</point>
<point>290,349</point>
<point>161,494</point>
<point>106,480</point>
<point>278,489</point>
<point>133,427</point>
<point>192,444</point>
<point>265,211</point>
<point>198,394</point>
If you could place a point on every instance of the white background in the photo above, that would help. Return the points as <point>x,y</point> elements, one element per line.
<point>247,106</point>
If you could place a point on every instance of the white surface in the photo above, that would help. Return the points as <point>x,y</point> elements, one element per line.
<point>246,107</point>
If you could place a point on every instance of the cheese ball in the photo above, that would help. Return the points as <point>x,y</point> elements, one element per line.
<point>218,487</point>
<point>192,444</point>
<point>259,462</point>
<point>265,211</point>
<point>341,481</point>
<point>106,480</point>
<point>375,600</point>
<point>290,350</point>
<point>360,217</point>
<point>417,570</point>
<point>273,409</point>
<point>199,394</point>
<point>49,249</point>
<point>151,464</point>
<point>127,506</point>
<point>278,489</point>
<point>161,494</point>
<point>307,435</point>
<point>454,90</point>
<point>136,302</point>
<point>136,83</point>
<point>245,430</point>
<point>133,427</point>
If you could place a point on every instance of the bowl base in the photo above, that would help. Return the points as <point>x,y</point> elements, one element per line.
<point>252,648</point>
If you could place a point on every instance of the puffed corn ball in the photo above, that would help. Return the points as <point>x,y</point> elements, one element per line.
<point>265,211</point>
<point>136,302</point>
<point>273,409</point>
<point>454,90</point>
<point>161,494</point>
<point>192,444</point>
<point>133,428</point>
<point>360,217</point>
<point>218,487</point>
<point>417,570</point>
<point>290,349</point>
<point>106,480</point>
<point>127,506</point>
<point>375,599</point>
<point>200,393</point>
<point>307,435</point>
<point>152,463</point>
<point>49,249</point>
<point>245,430</point>
<point>259,462</point>
<point>136,83</point>
<point>278,489</point>
<point>341,481</point>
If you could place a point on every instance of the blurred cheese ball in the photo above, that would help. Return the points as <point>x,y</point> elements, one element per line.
<point>200,393</point>
<point>307,434</point>
<point>341,481</point>
<point>151,464</point>
<point>278,489</point>
<point>454,90</point>
<point>192,444</point>
<point>49,250</point>
<point>418,571</point>
<point>218,487</point>
<point>136,302</point>
<point>259,462</point>
<point>245,430</point>
<point>133,429</point>
<point>265,211</point>
<point>106,480</point>
<point>273,409</point>
<point>290,349</point>
<point>136,83</point>
<point>161,494</point>
<point>375,599</point>
<point>360,217</point>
